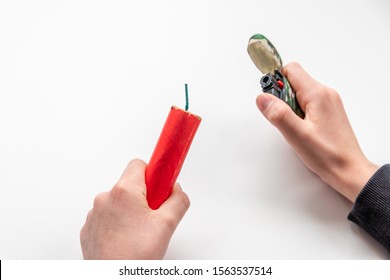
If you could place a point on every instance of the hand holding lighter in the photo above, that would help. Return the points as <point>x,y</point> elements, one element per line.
<point>267,59</point>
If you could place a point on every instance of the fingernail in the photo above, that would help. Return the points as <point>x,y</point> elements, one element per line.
<point>263,100</point>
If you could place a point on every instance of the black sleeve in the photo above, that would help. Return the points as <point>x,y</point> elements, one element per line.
<point>371,210</point>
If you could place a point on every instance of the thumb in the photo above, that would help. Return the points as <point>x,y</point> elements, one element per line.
<point>176,205</point>
<point>279,114</point>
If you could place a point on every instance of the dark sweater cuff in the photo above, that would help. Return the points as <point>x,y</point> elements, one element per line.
<point>371,210</point>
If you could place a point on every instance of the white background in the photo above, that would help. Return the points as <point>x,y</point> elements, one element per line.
<point>281,269</point>
<point>85,86</point>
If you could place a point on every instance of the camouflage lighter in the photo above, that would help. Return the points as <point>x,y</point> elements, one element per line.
<point>267,59</point>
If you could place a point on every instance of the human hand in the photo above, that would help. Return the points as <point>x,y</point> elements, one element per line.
<point>122,226</point>
<point>324,139</point>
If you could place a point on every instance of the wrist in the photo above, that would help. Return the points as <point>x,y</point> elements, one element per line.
<point>351,179</point>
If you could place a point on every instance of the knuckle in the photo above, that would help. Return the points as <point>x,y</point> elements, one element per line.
<point>294,64</point>
<point>334,94</point>
<point>119,186</point>
<point>318,90</point>
<point>170,220</point>
<point>291,67</point>
<point>330,95</point>
<point>122,193</point>
<point>136,162</point>
<point>119,190</point>
<point>99,201</point>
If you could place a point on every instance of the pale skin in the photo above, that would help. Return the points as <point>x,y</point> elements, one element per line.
<point>122,226</point>
<point>324,140</point>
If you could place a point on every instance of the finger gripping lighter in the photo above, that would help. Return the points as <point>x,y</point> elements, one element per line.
<point>267,59</point>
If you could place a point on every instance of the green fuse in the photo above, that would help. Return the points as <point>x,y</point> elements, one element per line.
<point>267,59</point>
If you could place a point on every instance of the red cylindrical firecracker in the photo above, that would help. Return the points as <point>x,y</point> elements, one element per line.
<point>169,155</point>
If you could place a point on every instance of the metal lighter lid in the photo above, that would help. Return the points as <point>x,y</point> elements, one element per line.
<point>263,54</point>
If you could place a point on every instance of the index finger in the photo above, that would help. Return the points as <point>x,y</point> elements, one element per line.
<point>304,85</point>
<point>299,79</point>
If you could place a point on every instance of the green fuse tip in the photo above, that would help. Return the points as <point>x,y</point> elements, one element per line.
<point>186,89</point>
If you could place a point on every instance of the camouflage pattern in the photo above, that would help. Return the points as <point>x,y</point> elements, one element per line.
<point>267,59</point>
<point>291,99</point>
<point>263,54</point>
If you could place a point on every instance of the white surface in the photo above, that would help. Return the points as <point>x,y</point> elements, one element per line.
<point>85,86</point>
